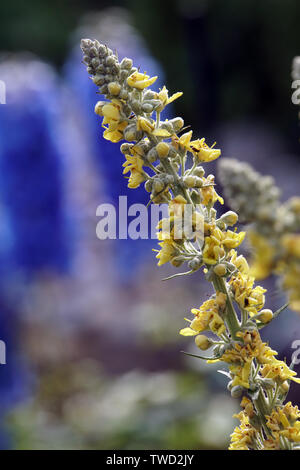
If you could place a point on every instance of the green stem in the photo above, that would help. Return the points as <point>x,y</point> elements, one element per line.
<point>262,409</point>
<point>230,316</point>
<point>178,189</point>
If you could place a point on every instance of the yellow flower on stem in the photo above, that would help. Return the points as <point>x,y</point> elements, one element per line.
<point>239,261</point>
<point>243,436</point>
<point>111,112</point>
<point>207,317</point>
<point>183,142</point>
<point>216,244</point>
<point>163,96</point>
<point>114,132</point>
<point>209,195</point>
<point>140,80</point>
<point>134,164</point>
<point>248,297</point>
<point>167,252</point>
<point>203,152</point>
<point>279,370</point>
<point>145,125</point>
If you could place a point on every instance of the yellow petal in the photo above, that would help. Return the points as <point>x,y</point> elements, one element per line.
<point>174,97</point>
<point>188,332</point>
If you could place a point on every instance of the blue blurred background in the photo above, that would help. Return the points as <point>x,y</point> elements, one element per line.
<point>93,351</point>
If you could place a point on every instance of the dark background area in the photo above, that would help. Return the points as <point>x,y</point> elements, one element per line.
<point>230,58</point>
<point>92,333</point>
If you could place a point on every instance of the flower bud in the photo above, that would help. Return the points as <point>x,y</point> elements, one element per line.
<point>147,108</point>
<point>229,218</point>
<point>123,75</point>
<point>148,186</point>
<point>229,385</point>
<point>236,391</point>
<point>136,106</point>
<point>149,95</point>
<point>95,62</point>
<point>152,155</point>
<point>195,196</point>
<point>168,179</point>
<point>125,147</point>
<point>172,152</point>
<point>265,315</point>
<point>114,88</point>
<point>110,61</point>
<point>177,124</point>
<point>177,261</point>
<point>103,89</point>
<point>109,78</point>
<point>131,133</point>
<point>162,149</point>
<point>220,270</point>
<point>126,64</point>
<point>99,80</point>
<point>158,185</point>
<point>202,342</point>
<point>123,94</point>
<point>198,182</point>
<point>168,126</point>
<point>189,181</point>
<point>99,106</point>
<point>195,263</point>
<point>199,171</point>
<point>285,386</point>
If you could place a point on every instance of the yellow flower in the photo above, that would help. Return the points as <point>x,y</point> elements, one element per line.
<point>233,239</point>
<point>111,116</point>
<point>213,250</point>
<point>183,142</point>
<point>208,317</point>
<point>114,132</point>
<point>140,80</point>
<point>291,244</point>
<point>167,252</point>
<point>241,374</point>
<point>203,152</point>
<point>111,112</point>
<point>209,195</point>
<point>145,125</point>
<point>283,422</point>
<point>135,179</point>
<point>278,370</point>
<point>134,164</point>
<point>290,271</point>
<point>239,262</point>
<point>263,256</point>
<point>240,357</point>
<point>216,244</point>
<point>163,96</point>
<point>243,436</point>
<point>248,297</point>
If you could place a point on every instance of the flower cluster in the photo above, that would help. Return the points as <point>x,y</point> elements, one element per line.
<point>168,161</point>
<point>274,227</point>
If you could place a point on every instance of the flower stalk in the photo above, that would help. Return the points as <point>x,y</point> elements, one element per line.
<point>160,155</point>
